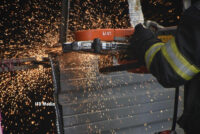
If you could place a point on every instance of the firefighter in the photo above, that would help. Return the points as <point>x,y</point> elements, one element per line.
<point>176,62</point>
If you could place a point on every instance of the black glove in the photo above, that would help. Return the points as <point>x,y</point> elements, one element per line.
<point>139,42</point>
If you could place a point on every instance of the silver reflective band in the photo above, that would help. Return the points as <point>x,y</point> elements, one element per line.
<point>151,52</point>
<point>177,61</point>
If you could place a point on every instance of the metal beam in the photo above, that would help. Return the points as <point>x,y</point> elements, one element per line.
<point>64,21</point>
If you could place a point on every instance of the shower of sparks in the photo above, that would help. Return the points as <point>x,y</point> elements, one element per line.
<point>29,29</point>
<point>19,92</point>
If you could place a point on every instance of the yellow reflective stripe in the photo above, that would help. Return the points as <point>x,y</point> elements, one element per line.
<point>175,68</point>
<point>152,56</point>
<point>151,52</point>
<point>182,59</point>
<point>178,63</point>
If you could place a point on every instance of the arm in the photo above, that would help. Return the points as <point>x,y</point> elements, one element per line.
<point>177,61</point>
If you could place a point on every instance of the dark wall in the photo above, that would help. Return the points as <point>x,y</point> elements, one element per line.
<point>165,12</point>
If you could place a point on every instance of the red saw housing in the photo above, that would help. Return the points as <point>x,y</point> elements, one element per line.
<point>104,34</point>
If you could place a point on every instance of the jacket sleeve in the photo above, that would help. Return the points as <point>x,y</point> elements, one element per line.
<point>177,61</point>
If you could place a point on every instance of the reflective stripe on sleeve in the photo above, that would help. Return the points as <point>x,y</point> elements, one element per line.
<point>151,52</point>
<point>177,61</point>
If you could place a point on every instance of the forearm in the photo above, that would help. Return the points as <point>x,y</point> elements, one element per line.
<point>169,65</point>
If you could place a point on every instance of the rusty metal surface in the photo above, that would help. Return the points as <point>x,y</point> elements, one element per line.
<point>115,102</point>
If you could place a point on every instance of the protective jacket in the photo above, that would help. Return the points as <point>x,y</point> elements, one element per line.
<point>176,63</point>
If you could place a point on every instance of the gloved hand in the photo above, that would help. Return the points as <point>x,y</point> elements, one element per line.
<point>139,42</point>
